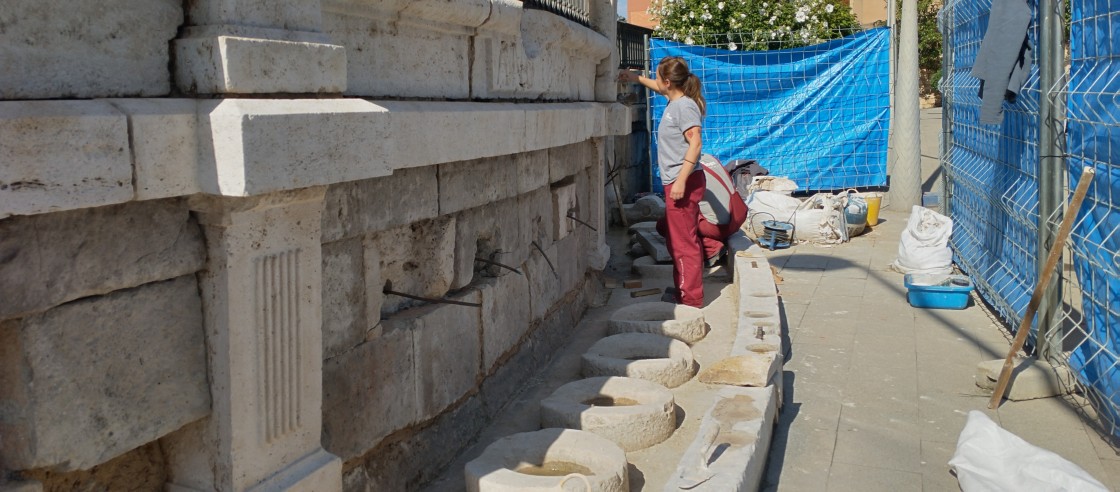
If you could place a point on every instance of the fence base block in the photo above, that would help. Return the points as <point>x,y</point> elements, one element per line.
<point>1031,379</point>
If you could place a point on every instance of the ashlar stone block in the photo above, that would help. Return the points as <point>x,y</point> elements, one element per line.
<point>164,137</point>
<point>344,299</point>
<point>370,392</point>
<point>62,155</point>
<point>463,130</point>
<point>505,316</point>
<point>474,183</point>
<point>86,49</point>
<point>536,217</point>
<point>448,351</point>
<point>544,274</point>
<point>491,232</point>
<point>54,258</point>
<point>570,159</point>
<point>92,379</point>
<point>565,203</point>
<point>413,259</point>
<point>358,207</point>
<point>232,64</point>
<point>532,171</point>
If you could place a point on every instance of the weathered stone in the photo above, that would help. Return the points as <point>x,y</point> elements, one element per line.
<point>470,184</point>
<point>633,413</point>
<point>536,218</point>
<point>531,173</point>
<point>499,467</point>
<point>565,204</point>
<point>86,50</point>
<point>92,379</point>
<point>544,280</point>
<point>62,155</point>
<point>570,261</point>
<point>570,159</point>
<point>21,486</point>
<point>685,323</point>
<point>646,208</point>
<point>258,146</point>
<point>742,370</point>
<point>447,350</point>
<point>164,137</point>
<point>550,125</point>
<point>492,232</point>
<point>505,316</point>
<point>225,64</point>
<point>344,289</point>
<point>458,126</point>
<point>370,392</point>
<point>54,258</point>
<point>413,260</point>
<point>655,246</point>
<point>370,205</point>
<point>142,468</point>
<point>655,358</point>
<point>1030,379</point>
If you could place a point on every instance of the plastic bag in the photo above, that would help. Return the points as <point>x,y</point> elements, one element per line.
<point>989,458</point>
<point>821,220</point>
<point>924,247</point>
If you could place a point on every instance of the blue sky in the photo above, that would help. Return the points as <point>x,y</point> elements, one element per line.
<point>621,8</point>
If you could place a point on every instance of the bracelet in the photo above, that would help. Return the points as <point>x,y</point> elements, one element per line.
<point>690,162</point>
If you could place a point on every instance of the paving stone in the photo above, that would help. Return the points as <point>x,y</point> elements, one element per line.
<point>845,477</point>
<point>873,444</point>
<point>824,330</point>
<point>935,465</point>
<point>800,458</point>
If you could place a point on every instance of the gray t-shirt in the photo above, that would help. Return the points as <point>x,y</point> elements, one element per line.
<point>680,115</point>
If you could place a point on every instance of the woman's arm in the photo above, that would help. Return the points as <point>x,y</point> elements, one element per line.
<point>691,159</point>
<point>631,77</point>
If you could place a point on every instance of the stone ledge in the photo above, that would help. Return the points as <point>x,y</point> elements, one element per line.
<point>250,147</point>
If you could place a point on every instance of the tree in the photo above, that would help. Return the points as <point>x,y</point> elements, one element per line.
<point>752,24</point>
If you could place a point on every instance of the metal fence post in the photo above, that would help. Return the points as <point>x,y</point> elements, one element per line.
<point>649,113</point>
<point>1051,183</point>
<point>945,86</point>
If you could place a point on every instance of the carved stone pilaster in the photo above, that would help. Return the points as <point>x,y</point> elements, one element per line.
<point>263,315</point>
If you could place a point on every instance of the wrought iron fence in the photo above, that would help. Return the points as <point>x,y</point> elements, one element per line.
<point>632,49</point>
<point>575,10</point>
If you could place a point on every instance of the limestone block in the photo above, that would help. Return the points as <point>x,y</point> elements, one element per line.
<point>565,202</point>
<point>501,466</point>
<point>618,120</point>
<point>86,49</point>
<point>164,135</point>
<point>357,207</point>
<point>1030,379</point>
<point>428,62</point>
<point>21,486</point>
<point>536,217</point>
<point>463,130</point>
<point>470,184</point>
<point>742,370</point>
<point>413,260</point>
<point>224,64</point>
<point>290,14</point>
<point>370,392</point>
<point>54,258</point>
<point>531,171</point>
<point>92,379</point>
<point>685,323</point>
<point>505,316</point>
<point>491,232</point>
<point>344,289</point>
<point>258,146</point>
<point>571,262</point>
<point>62,155</point>
<point>570,159</point>
<point>447,350</point>
<point>633,413</point>
<point>655,246</point>
<point>554,125</point>
<point>544,280</point>
<point>646,208</point>
<point>731,446</point>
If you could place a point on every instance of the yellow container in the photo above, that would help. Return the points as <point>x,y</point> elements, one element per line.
<point>874,200</point>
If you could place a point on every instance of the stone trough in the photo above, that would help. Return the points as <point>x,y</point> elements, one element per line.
<point>660,359</point>
<point>549,460</point>
<point>633,413</point>
<point>685,323</point>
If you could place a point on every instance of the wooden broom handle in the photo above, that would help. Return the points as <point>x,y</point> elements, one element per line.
<point>1043,281</point>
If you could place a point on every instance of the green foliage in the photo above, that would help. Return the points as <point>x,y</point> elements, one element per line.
<point>752,24</point>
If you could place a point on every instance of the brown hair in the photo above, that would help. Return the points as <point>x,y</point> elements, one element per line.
<point>675,70</point>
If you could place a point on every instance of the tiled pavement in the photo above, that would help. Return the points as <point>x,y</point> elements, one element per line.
<point>877,391</point>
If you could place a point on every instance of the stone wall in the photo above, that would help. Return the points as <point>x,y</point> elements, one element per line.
<point>202,213</point>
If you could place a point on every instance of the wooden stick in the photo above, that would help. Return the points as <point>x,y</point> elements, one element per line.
<point>1043,282</point>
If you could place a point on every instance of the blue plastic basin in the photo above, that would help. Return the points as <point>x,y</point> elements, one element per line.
<point>938,291</point>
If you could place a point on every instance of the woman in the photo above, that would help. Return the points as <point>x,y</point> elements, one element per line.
<point>678,150</point>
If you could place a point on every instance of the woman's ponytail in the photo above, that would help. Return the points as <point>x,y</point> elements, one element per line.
<point>692,90</point>
<point>675,69</point>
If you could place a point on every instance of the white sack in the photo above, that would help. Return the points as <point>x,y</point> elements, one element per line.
<point>768,205</point>
<point>989,458</point>
<point>924,246</point>
<point>821,220</point>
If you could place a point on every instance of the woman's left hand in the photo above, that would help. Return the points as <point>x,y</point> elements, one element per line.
<point>676,192</point>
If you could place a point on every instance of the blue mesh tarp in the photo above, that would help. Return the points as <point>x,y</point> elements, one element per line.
<point>817,114</point>
<point>1093,139</point>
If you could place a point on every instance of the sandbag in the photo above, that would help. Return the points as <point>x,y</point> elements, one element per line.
<point>991,459</point>
<point>768,205</point>
<point>924,246</point>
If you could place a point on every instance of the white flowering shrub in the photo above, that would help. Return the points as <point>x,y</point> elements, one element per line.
<point>752,24</point>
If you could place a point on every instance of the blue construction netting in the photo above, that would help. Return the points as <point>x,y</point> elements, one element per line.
<point>1093,140</point>
<point>992,169</point>
<point>817,114</point>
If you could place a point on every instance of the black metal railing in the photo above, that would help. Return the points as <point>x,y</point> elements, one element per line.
<point>632,50</point>
<point>574,10</point>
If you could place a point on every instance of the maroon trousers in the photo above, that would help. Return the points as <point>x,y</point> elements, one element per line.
<point>682,238</point>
